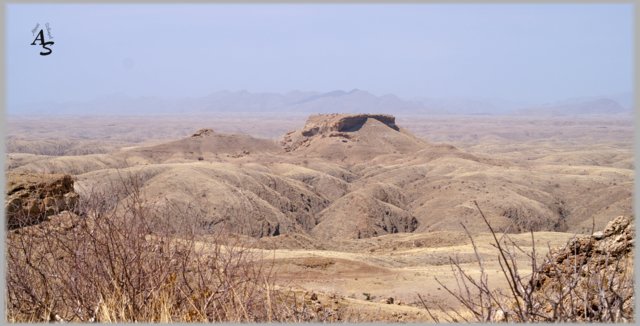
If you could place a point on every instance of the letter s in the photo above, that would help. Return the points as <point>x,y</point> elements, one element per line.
<point>44,45</point>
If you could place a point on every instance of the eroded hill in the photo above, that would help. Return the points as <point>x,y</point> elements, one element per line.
<point>345,177</point>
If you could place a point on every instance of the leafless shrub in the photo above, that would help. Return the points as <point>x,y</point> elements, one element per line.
<point>124,260</point>
<point>552,292</point>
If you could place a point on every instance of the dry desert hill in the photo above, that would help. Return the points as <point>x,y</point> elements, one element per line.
<point>359,211</point>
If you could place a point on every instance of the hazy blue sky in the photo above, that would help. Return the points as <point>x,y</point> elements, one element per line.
<point>514,52</point>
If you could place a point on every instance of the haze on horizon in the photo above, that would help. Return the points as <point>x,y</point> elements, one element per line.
<point>524,53</point>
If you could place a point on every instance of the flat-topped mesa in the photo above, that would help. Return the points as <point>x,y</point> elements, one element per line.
<point>323,123</point>
<point>344,129</point>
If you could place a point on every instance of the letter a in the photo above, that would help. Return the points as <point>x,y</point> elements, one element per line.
<point>40,37</point>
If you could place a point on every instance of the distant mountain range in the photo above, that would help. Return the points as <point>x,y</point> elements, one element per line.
<point>578,106</point>
<point>354,101</point>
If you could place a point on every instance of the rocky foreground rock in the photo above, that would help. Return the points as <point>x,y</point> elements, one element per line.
<point>31,197</point>
<point>591,278</point>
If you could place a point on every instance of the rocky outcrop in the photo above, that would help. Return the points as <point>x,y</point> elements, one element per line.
<point>203,132</point>
<point>614,245</point>
<point>323,123</point>
<point>333,125</point>
<point>31,198</point>
<point>597,269</point>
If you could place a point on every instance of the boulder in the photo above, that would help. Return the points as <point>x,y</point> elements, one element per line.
<point>598,266</point>
<point>31,197</point>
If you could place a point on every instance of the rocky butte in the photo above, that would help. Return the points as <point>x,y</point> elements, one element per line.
<point>333,125</point>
